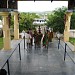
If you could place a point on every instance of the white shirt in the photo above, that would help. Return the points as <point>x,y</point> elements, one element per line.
<point>27,37</point>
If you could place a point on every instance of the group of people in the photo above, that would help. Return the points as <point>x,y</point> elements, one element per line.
<point>28,37</point>
<point>38,37</point>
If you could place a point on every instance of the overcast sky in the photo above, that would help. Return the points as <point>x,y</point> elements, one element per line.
<point>40,6</point>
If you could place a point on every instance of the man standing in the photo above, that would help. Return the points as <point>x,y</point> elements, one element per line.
<point>31,40</point>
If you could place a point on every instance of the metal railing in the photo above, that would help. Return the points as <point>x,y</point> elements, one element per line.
<point>7,61</point>
<point>65,50</point>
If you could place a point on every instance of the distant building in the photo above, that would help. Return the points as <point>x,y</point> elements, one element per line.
<point>72,33</point>
<point>39,21</point>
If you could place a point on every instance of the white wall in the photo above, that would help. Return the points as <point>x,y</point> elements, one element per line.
<point>72,33</point>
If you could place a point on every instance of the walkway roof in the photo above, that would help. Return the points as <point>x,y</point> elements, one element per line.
<point>13,6</point>
<point>42,0</point>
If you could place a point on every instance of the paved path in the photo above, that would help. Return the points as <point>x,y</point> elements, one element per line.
<point>39,61</point>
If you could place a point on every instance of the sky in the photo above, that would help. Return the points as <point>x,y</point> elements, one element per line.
<point>40,6</point>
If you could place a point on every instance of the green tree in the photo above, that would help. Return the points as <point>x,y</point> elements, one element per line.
<point>56,19</point>
<point>72,26</point>
<point>26,20</point>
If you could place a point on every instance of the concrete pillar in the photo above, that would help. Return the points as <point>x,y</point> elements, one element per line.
<point>16,26</point>
<point>67,26</point>
<point>6,31</point>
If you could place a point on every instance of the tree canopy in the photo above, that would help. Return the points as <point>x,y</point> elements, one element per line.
<point>56,19</point>
<point>72,26</point>
<point>25,20</point>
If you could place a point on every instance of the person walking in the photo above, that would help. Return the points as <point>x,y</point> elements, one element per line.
<point>31,40</point>
<point>45,39</point>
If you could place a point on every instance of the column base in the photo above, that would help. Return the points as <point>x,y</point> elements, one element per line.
<point>7,48</point>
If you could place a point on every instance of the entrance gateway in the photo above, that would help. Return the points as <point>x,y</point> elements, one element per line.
<point>6,6</point>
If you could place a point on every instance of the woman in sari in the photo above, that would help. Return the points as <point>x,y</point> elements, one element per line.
<point>45,39</point>
<point>35,36</point>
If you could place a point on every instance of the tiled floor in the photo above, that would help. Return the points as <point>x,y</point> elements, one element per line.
<point>41,61</point>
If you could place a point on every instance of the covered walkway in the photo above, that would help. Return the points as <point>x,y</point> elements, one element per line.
<point>39,61</point>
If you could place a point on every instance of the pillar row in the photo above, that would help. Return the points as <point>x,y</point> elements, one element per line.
<point>6,31</point>
<point>16,26</point>
<point>67,26</point>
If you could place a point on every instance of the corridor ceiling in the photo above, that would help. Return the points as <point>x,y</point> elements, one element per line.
<point>43,0</point>
<point>9,5</point>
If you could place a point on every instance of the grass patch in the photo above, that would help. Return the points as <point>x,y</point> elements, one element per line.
<point>1,43</point>
<point>72,40</point>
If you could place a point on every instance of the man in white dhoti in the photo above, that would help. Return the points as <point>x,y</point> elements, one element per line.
<point>22,34</point>
<point>27,38</point>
